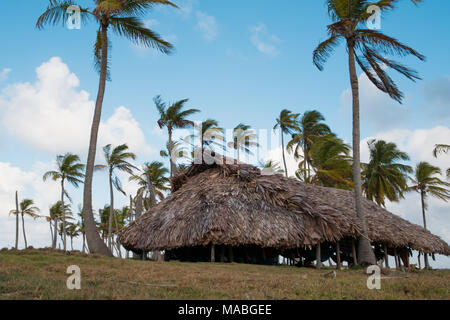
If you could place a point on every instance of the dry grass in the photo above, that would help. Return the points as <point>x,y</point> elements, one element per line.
<point>41,274</point>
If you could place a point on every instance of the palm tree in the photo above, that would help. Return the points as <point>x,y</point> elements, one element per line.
<point>172,117</point>
<point>68,169</point>
<point>243,139</point>
<point>310,128</point>
<point>331,163</point>
<point>288,124</point>
<point>210,135</point>
<point>270,167</point>
<point>26,207</point>
<point>55,213</point>
<point>426,183</point>
<point>123,18</point>
<point>175,151</point>
<point>116,159</point>
<point>439,149</point>
<point>153,182</point>
<point>368,48</point>
<point>383,176</point>
<point>73,231</point>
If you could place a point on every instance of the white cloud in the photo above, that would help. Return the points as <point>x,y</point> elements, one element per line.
<point>263,41</point>
<point>54,115</point>
<point>377,109</point>
<point>4,74</point>
<point>207,25</point>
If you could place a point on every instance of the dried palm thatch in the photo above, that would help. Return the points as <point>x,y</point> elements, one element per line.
<point>235,205</point>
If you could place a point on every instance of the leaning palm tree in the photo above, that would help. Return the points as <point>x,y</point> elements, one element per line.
<point>244,138</point>
<point>153,182</point>
<point>311,127</point>
<point>122,17</point>
<point>69,169</point>
<point>117,159</point>
<point>439,149</point>
<point>26,207</point>
<point>369,49</point>
<point>288,124</point>
<point>384,177</point>
<point>426,183</point>
<point>172,117</point>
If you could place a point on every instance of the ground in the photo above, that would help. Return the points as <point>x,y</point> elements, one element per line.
<point>41,274</point>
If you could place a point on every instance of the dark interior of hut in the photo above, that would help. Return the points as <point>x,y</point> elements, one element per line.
<point>300,257</point>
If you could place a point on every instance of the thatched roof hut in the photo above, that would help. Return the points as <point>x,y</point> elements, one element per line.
<point>237,205</point>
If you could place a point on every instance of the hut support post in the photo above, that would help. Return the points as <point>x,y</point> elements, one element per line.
<point>318,257</point>
<point>418,259</point>
<point>386,256</point>
<point>213,253</point>
<point>230,254</point>
<point>355,261</point>
<point>338,255</point>
<point>396,258</point>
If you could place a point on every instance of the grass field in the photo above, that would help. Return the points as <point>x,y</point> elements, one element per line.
<point>41,274</point>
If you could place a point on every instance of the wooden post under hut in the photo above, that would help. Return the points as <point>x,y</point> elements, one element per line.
<point>213,253</point>
<point>386,256</point>
<point>318,257</point>
<point>355,261</point>
<point>338,255</point>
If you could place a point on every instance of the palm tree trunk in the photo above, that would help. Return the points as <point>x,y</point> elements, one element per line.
<point>111,211</point>
<point>365,251</point>
<point>84,243</point>
<point>422,198</point>
<point>51,230</point>
<point>17,221</point>
<point>24,235</point>
<point>338,256</point>
<point>318,257</point>
<point>55,233</point>
<point>284,157</point>
<point>304,162</point>
<point>71,243</point>
<point>95,243</point>
<point>173,166</point>
<point>386,256</point>
<point>63,211</point>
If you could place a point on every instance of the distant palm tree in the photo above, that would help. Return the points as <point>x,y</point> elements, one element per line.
<point>288,124</point>
<point>68,169</point>
<point>56,214</point>
<point>81,227</point>
<point>26,207</point>
<point>172,117</point>
<point>244,138</point>
<point>117,159</point>
<point>383,176</point>
<point>73,231</point>
<point>310,128</point>
<point>439,149</point>
<point>123,18</point>
<point>368,48</point>
<point>426,183</point>
<point>210,135</point>
<point>177,150</point>
<point>331,163</point>
<point>153,182</point>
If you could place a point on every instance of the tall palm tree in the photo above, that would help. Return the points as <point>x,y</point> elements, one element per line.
<point>172,117</point>
<point>56,214</point>
<point>26,207</point>
<point>288,124</point>
<point>426,183</point>
<point>383,176</point>
<point>117,159</point>
<point>153,182</point>
<point>310,128</point>
<point>122,17</point>
<point>439,149</point>
<point>68,169</point>
<point>244,138</point>
<point>331,163</point>
<point>369,49</point>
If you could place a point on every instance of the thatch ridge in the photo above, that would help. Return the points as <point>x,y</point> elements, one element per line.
<point>234,204</point>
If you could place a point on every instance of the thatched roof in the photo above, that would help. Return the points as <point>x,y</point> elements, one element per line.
<point>234,204</point>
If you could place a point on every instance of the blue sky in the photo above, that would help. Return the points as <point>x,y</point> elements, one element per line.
<point>237,61</point>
